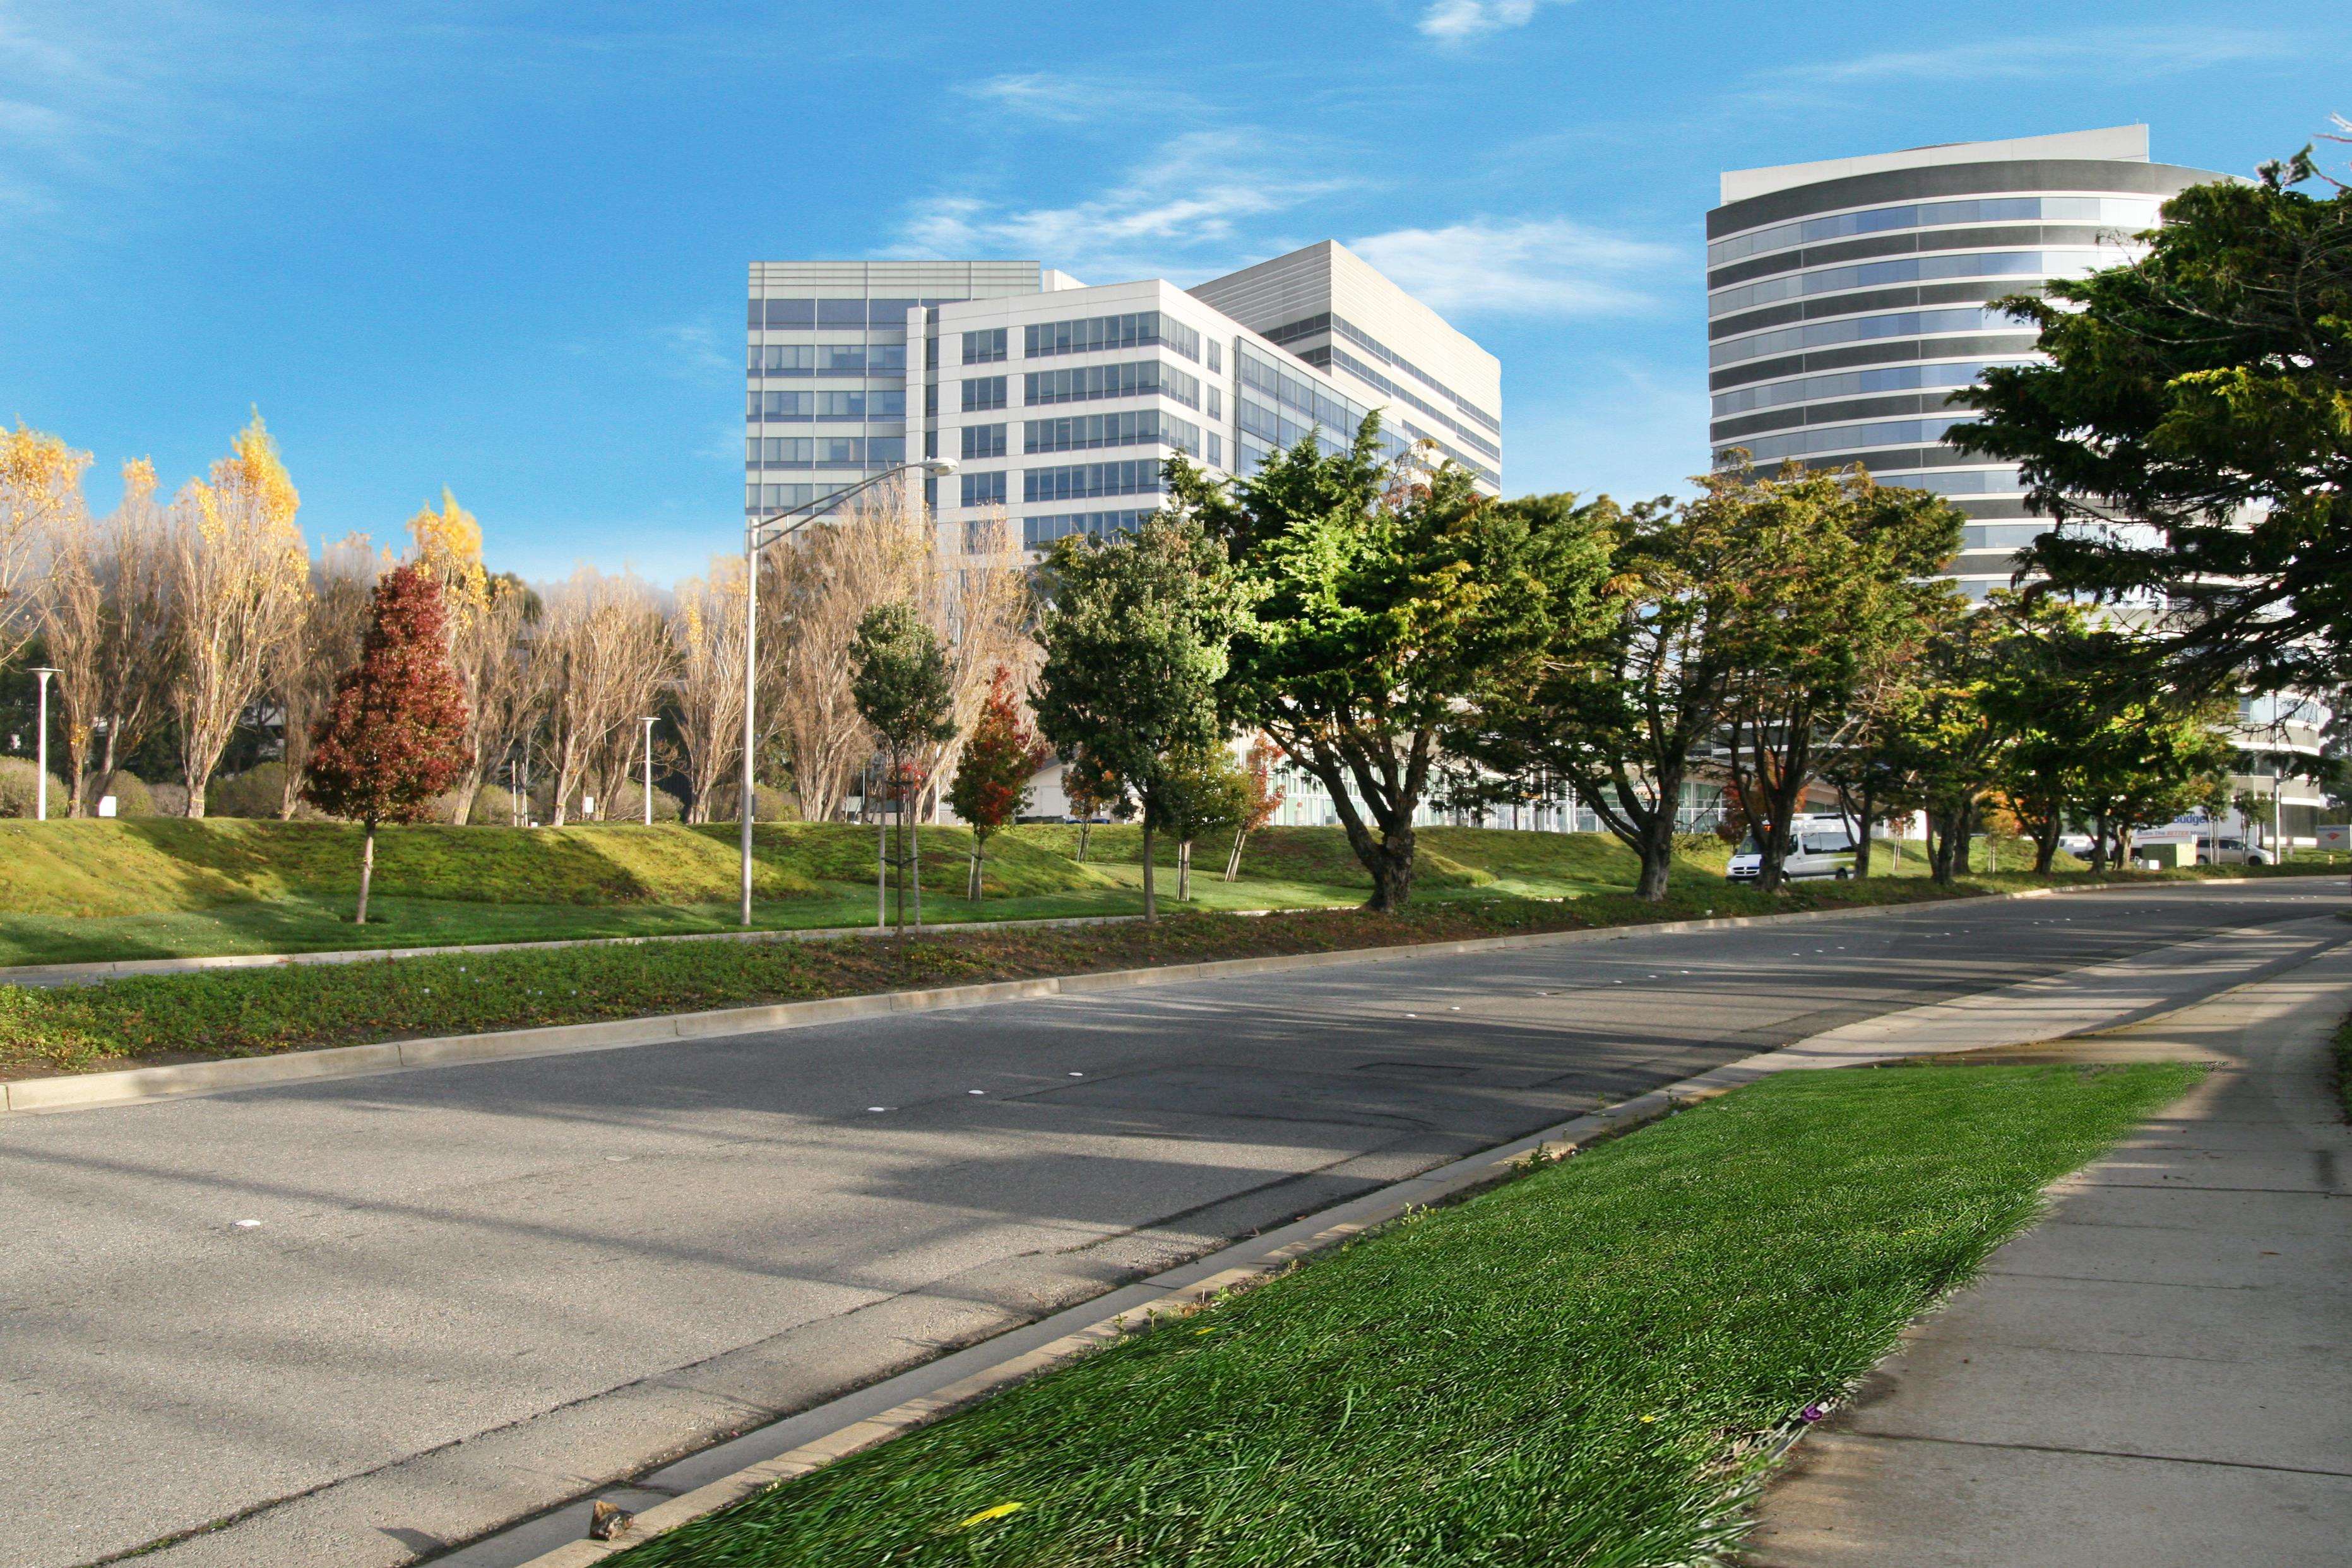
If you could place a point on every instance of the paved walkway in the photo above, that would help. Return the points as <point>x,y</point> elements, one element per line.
<point>2158,1374</point>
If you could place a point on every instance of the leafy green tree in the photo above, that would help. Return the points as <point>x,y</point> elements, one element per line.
<point>2054,686</point>
<point>1382,606</point>
<point>394,736</point>
<point>1093,791</point>
<point>1940,737</point>
<point>1840,585</point>
<point>1201,790</point>
<point>991,780</point>
<point>1136,630</point>
<point>2201,390</point>
<point>900,684</point>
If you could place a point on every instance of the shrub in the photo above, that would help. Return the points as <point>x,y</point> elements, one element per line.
<point>768,805</point>
<point>168,799</point>
<point>627,804</point>
<point>132,796</point>
<point>259,793</point>
<point>20,791</point>
<point>493,806</point>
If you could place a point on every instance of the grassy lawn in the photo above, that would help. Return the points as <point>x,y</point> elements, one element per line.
<point>1587,1365</point>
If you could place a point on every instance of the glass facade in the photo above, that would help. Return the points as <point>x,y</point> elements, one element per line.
<point>1139,475</point>
<point>1127,378</point>
<point>2126,212</point>
<point>1039,533</point>
<point>1134,427</point>
<point>984,489</point>
<point>1088,335</point>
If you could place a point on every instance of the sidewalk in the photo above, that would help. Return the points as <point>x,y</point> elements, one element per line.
<point>2161,1373</point>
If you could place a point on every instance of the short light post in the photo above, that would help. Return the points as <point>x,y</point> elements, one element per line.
<point>784,523</point>
<point>41,749</point>
<point>648,721</point>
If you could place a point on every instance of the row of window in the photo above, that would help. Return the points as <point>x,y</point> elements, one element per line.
<point>982,441</point>
<point>1127,378</point>
<point>1128,428</point>
<point>1909,269</point>
<point>983,347</point>
<point>1039,533</point>
<point>766,499</point>
<point>2124,212</point>
<point>1130,477</point>
<point>1859,329</point>
<point>1406,396</point>
<point>1846,437</point>
<point>1852,382</point>
<point>825,358</point>
<point>804,315</point>
<point>872,403</point>
<point>1339,326</point>
<point>823,451</point>
<point>1088,335</point>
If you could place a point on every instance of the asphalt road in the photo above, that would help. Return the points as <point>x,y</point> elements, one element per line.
<point>357,1322</point>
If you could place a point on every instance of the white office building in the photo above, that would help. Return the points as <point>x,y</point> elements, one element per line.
<point>1060,402</point>
<point>1847,299</point>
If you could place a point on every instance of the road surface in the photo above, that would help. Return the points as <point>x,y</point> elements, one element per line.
<point>360,1321</point>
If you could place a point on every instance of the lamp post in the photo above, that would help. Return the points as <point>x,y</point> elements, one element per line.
<point>41,749</point>
<point>648,722</point>
<point>792,522</point>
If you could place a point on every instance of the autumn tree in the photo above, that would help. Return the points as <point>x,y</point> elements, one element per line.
<point>40,499</point>
<point>1136,631</point>
<point>1092,789</point>
<point>901,683</point>
<point>604,651</point>
<point>706,632</point>
<point>238,570</point>
<point>1262,797</point>
<point>992,778</point>
<point>1380,608</point>
<point>136,642</point>
<point>319,646</point>
<point>486,619</point>
<point>394,736</point>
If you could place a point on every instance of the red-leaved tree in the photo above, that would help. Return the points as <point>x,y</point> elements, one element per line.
<point>1261,800</point>
<point>992,783</point>
<point>394,735</point>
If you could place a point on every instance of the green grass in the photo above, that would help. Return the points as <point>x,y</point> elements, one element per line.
<point>1588,1365</point>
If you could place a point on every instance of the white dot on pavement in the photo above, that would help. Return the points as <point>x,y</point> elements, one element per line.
<point>1077,1075</point>
<point>247,1223</point>
<point>877,1108</point>
<point>975,1091</point>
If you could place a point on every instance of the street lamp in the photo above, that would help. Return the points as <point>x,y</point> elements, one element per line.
<point>648,722</point>
<point>41,748</point>
<point>793,521</point>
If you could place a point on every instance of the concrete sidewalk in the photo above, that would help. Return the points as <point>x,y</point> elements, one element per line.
<point>2160,1374</point>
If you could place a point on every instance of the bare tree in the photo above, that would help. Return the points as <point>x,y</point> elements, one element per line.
<point>605,653</point>
<point>505,690</point>
<point>238,571</point>
<point>40,500</point>
<point>139,642</point>
<point>323,644</point>
<point>979,605</point>
<point>706,628</point>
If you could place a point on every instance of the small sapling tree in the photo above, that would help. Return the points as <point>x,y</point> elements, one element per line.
<point>992,781</point>
<point>902,689</point>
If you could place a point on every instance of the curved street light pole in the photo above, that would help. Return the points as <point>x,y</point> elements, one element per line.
<point>41,762</point>
<point>793,520</point>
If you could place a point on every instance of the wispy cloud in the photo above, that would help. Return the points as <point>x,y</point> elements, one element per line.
<point>1529,267</point>
<point>1061,98</point>
<point>692,349</point>
<point>2114,54</point>
<point>1188,204</point>
<point>1459,21</point>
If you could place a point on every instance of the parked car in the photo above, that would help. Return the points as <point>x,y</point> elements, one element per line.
<point>2233,852</point>
<point>1817,849</point>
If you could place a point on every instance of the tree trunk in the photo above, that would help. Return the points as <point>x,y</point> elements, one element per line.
<point>1151,908</point>
<point>1390,862</point>
<point>2045,843</point>
<point>978,853</point>
<point>1863,845</point>
<point>1234,860</point>
<point>1183,871</point>
<point>195,784</point>
<point>104,779</point>
<point>367,870</point>
<point>914,861</point>
<point>1657,852</point>
<point>881,869</point>
<point>2098,844</point>
<point>1086,826</point>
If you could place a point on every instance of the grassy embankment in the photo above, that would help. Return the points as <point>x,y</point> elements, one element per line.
<point>99,890</point>
<point>1591,1364</point>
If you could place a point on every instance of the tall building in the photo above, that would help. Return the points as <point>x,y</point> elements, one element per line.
<point>1061,403</point>
<point>1847,299</point>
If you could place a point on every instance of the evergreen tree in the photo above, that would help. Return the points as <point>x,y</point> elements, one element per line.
<point>394,735</point>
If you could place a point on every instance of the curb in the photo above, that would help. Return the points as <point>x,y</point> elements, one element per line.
<point>131,1086</point>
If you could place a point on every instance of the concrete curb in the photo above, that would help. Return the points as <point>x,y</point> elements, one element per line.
<point>851,1423</point>
<point>133,1086</point>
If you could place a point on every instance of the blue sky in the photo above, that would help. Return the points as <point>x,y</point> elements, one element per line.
<point>501,247</point>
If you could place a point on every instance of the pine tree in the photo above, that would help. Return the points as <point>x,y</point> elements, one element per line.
<point>394,735</point>
<point>992,781</point>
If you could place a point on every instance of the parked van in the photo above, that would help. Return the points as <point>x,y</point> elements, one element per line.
<point>2233,852</point>
<point>1818,846</point>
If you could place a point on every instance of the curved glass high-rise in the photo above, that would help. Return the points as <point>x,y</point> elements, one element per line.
<point>1847,299</point>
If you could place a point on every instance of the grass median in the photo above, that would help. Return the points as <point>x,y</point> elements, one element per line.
<point>177,1017</point>
<point>1588,1365</point>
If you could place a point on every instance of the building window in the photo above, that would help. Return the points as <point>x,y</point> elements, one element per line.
<point>786,315</point>
<point>784,359</point>
<point>984,489</point>
<point>984,441</point>
<point>841,451</point>
<point>885,403</point>
<point>841,359</point>
<point>1216,355</point>
<point>1137,329</point>
<point>1139,476</point>
<point>841,405</point>
<point>779,452</point>
<point>984,347</point>
<point>931,400</point>
<point>840,312</point>
<point>1132,378</point>
<point>1216,450</point>
<point>885,451</point>
<point>787,404</point>
<point>982,392</point>
<point>891,315</point>
<point>1216,404</point>
<point>1134,427</point>
<point>1037,532</point>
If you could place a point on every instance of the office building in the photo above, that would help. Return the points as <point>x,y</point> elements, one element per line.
<point>1060,402</point>
<point>1847,299</point>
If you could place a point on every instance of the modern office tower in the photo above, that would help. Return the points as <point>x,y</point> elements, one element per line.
<point>1061,403</point>
<point>1847,299</point>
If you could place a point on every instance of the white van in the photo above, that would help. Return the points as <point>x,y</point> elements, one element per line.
<point>1818,846</point>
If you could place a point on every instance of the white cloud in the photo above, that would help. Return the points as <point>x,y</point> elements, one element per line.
<point>2112,54</point>
<point>1535,267</point>
<point>1065,99</point>
<point>1186,204</point>
<point>1457,21</point>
